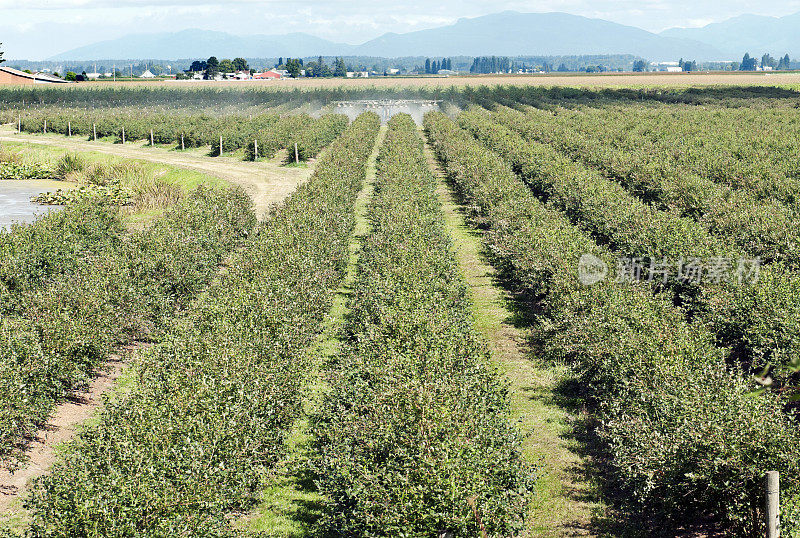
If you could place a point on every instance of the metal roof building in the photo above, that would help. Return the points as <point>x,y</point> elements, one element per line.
<point>9,75</point>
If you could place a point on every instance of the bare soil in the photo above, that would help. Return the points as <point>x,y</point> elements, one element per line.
<point>61,427</point>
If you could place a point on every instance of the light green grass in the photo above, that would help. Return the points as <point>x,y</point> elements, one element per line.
<point>187,180</point>
<point>290,506</point>
<point>566,497</point>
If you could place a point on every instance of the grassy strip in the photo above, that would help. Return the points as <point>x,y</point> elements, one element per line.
<point>566,496</point>
<point>75,285</point>
<point>196,436</point>
<point>413,438</point>
<point>684,438</point>
<point>291,506</point>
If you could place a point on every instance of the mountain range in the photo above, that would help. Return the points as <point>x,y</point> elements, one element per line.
<point>508,33</point>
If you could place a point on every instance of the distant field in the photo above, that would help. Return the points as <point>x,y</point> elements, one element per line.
<point>577,79</point>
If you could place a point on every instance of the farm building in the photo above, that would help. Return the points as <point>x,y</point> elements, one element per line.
<point>147,74</point>
<point>9,75</point>
<point>266,75</point>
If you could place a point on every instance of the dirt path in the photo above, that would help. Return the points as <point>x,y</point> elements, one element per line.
<point>563,504</point>
<point>61,427</point>
<point>267,183</point>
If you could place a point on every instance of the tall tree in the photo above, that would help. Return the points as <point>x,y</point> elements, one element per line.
<point>280,62</point>
<point>240,64</point>
<point>748,63</point>
<point>212,68</point>
<point>428,66</point>
<point>294,67</point>
<point>340,69</point>
<point>226,66</point>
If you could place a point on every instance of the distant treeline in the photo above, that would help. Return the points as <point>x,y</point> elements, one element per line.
<point>407,64</point>
<point>589,62</point>
<point>420,64</point>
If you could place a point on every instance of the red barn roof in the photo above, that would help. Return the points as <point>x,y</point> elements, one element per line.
<point>267,74</point>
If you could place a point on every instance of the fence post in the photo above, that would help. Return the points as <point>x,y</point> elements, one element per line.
<point>255,144</point>
<point>45,126</point>
<point>773,504</point>
<point>182,146</point>
<point>296,154</point>
<point>69,128</point>
<point>220,146</point>
<point>19,124</point>
<point>94,131</point>
<point>151,137</point>
<point>123,135</point>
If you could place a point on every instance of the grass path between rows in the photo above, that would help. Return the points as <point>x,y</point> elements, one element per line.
<point>565,500</point>
<point>291,506</point>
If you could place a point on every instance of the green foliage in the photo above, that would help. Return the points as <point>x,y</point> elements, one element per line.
<point>415,422</point>
<point>24,170</point>
<point>311,140</point>
<point>746,317</point>
<point>115,195</point>
<point>74,285</point>
<point>212,404</point>
<point>633,151</point>
<point>685,437</point>
<point>294,67</point>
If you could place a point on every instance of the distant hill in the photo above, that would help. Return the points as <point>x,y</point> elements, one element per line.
<point>511,33</point>
<point>747,33</point>
<point>508,33</point>
<point>202,44</point>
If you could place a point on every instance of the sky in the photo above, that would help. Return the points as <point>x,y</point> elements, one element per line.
<point>37,29</point>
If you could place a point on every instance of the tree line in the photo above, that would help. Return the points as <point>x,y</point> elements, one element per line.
<point>434,66</point>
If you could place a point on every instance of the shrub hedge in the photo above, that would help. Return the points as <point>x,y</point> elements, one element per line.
<point>758,319</point>
<point>74,285</point>
<point>415,422</point>
<point>685,439</point>
<point>207,417</point>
